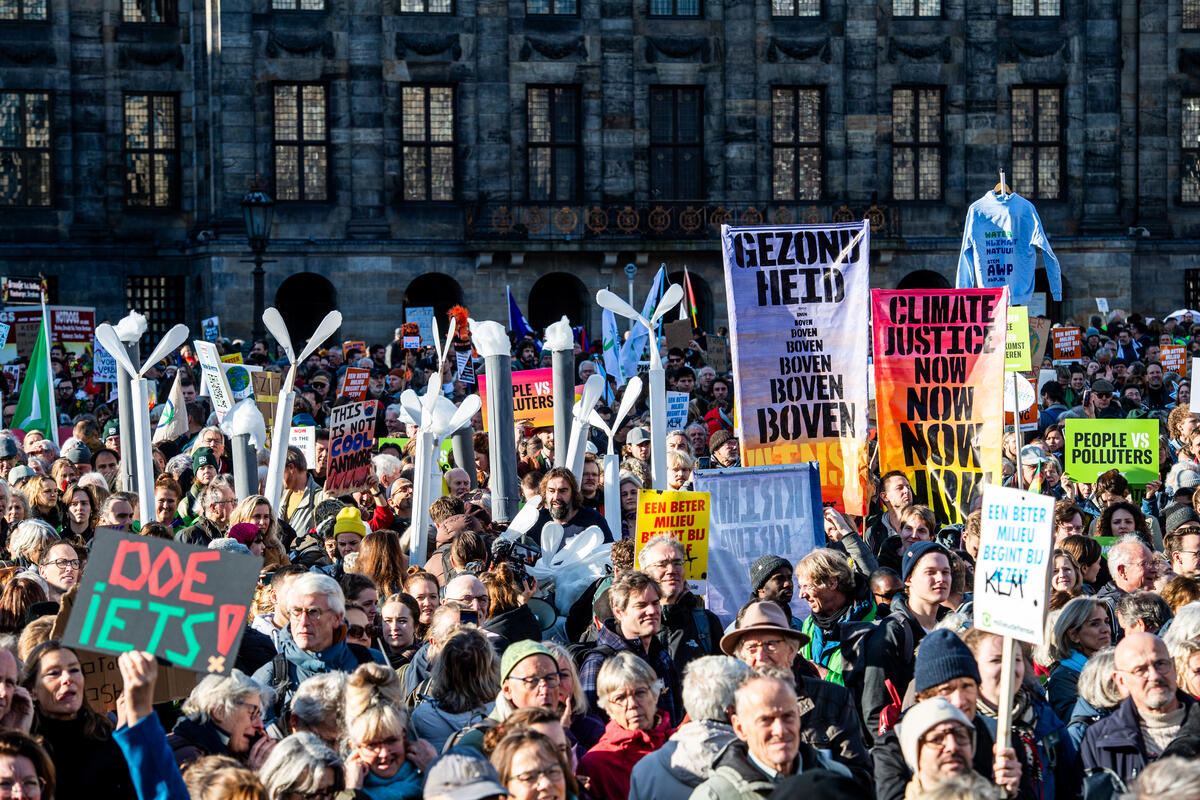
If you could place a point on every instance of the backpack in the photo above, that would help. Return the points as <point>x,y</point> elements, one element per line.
<point>855,639</point>
<point>281,677</point>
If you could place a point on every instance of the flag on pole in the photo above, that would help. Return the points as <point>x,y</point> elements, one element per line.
<point>35,407</point>
<point>635,345</point>
<point>173,422</point>
<point>691,296</point>
<point>611,337</point>
<point>516,320</point>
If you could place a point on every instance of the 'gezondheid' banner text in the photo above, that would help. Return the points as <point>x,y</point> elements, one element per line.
<point>939,378</point>
<point>797,299</point>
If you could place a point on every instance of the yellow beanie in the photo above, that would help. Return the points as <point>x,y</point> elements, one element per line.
<point>349,521</point>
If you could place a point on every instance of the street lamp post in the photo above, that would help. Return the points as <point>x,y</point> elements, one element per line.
<point>258,209</point>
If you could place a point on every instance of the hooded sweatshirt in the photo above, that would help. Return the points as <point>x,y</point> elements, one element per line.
<point>610,763</point>
<point>999,238</point>
<point>682,764</point>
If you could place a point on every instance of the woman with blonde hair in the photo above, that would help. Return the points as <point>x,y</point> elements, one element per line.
<point>679,469</point>
<point>256,510</point>
<point>382,762</point>
<point>222,778</point>
<point>42,494</point>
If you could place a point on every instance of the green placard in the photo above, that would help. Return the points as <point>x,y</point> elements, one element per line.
<point>1017,356</point>
<point>1106,543</point>
<point>1094,446</point>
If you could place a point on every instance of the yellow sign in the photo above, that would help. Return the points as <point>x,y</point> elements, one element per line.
<point>1017,355</point>
<point>232,358</point>
<point>682,516</point>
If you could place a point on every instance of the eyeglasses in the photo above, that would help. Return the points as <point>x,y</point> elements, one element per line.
<point>382,744</point>
<point>219,503</point>
<point>553,773</point>
<point>313,613</point>
<point>677,563</point>
<point>1161,666</point>
<point>255,711</point>
<point>467,598</point>
<point>771,646</point>
<point>64,563</point>
<point>939,740</point>
<point>640,695</point>
<point>361,631</point>
<point>29,786</point>
<point>550,680</point>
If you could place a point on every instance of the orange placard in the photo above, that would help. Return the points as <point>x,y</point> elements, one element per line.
<point>1174,359</point>
<point>1067,344</point>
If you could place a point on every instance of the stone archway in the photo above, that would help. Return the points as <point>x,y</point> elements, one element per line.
<point>303,300</point>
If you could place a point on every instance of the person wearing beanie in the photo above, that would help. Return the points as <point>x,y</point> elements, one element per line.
<point>889,649</point>
<point>944,668</point>
<point>938,742</point>
<point>348,532</point>
<point>724,450</point>
<point>204,469</point>
<point>771,579</point>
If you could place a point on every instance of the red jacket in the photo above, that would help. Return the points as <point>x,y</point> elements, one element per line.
<point>608,765</point>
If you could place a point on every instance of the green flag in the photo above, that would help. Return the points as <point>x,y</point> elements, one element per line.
<point>35,408</point>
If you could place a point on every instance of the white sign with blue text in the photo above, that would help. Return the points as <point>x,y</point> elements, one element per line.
<point>1012,571</point>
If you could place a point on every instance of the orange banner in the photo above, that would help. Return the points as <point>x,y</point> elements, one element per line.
<point>1067,344</point>
<point>939,378</point>
<point>1174,359</point>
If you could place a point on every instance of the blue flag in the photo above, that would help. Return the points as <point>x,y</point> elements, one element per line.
<point>635,345</point>
<point>516,320</point>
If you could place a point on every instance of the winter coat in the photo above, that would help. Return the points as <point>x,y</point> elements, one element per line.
<point>201,533</point>
<point>824,647</point>
<point>1083,716</point>
<point>683,763</point>
<point>1063,687</point>
<point>608,765</point>
<point>1115,742</point>
<point>435,724</point>
<point>302,665</point>
<point>151,765</point>
<point>830,723</point>
<point>302,519</point>
<point>892,772</point>
<point>1049,767</point>
<point>861,558</point>
<point>512,626</point>
<point>608,642</point>
<point>190,741</point>
<point>681,631</point>
<point>88,764</point>
<point>736,777</point>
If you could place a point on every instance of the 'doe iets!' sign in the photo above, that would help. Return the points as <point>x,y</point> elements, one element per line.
<point>186,604</point>
<point>1094,446</point>
<point>1012,571</point>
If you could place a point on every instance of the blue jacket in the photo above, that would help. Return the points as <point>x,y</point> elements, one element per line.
<point>404,785</point>
<point>1063,686</point>
<point>1083,715</point>
<point>151,762</point>
<point>998,243</point>
<point>1059,772</point>
<point>1115,742</point>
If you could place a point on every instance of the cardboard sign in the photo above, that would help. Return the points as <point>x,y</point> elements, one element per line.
<point>265,385</point>
<point>533,397</point>
<point>104,366</point>
<point>423,317</point>
<point>360,346</point>
<point>210,328</point>
<point>304,437</point>
<point>757,510</point>
<point>214,377</point>
<point>1173,358</point>
<point>1012,570</point>
<point>1017,354</point>
<point>677,409</point>
<point>188,605</point>
<point>682,516</point>
<point>354,383</point>
<point>351,437</point>
<point>718,354</point>
<point>1039,338</point>
<point>1094,446</point>
<point>1102,304</point>
<point>1067,344</point>
<point>678,333</point>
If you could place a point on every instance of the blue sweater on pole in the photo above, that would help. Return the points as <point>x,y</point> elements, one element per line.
<point>998,244</point>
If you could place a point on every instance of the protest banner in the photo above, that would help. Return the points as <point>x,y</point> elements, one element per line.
<point>186,604</point>
<point>265,386</point>
<point>73,327</point>
<point>1039,338</point>
<point>210,328</point>
<point>757,510</point>
<point>219,391</point>
<point>423,317</point>
<point>358,345</point>
<point>1067,345</point>
<point>718,354</point>
<point>1094,446</point>
<point>238,377</point>
<point>939,377</point>
<point>677,409</point>
<point>464,366</point>
<point>533,397</point>
<point>1173,358</point>
<point>683,516</point>
<point>104,366</point>
<point>678,333</point>
<point>1013,567</point>
<point>797,299</point>
<point>232,358</point>
<point>304,437</point>
<point>1102,304</point>
<point>354,383</point>
<point>1017,355</point>
<point>1106,543</point>
<point>351,437</point>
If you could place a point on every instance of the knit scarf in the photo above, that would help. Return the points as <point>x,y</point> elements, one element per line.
<point>1024,723</point>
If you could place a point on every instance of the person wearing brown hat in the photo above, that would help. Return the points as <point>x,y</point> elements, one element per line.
<point>763,640</point>
<point>724,450</point>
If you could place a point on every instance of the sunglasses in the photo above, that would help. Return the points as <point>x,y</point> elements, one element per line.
<point>361,631</point>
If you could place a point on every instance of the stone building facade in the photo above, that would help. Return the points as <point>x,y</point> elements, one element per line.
<point>426,152</point>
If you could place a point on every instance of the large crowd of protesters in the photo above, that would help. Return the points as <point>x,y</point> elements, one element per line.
<point>362,676</point>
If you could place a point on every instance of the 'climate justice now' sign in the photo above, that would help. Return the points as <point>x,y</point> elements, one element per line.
<point>186,604</point>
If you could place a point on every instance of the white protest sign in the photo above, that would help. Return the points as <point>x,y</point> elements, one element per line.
<point>211,328</point>
<point>423,316</point>
<point>3,334</point>
<point>1102,304</point>
<point>757,510</point>
<point>104,366</point>
<point>214,377</point>
<point>304,437</point>
<point>1194,403</point>
<point>1012,571</point>
<point>677,409</point>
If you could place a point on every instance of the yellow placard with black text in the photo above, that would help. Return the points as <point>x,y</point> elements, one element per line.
<point>680,515</point>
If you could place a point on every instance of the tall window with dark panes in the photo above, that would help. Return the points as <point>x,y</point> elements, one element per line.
<point>297,5</point>
<point>152,150</point>
<point>916,8</point>
<point>155,12</point>
<point>675,8</point>
<point>917,143</point>
<point>555,144</point>
<point>795,8</point>
<point>1037,141</point>
<point>1191,15</point>
<point>797,143</point>
<point>427,149</point>
<point>676,142</point>
<point>25,155</point>
<point>160,298</point>
<point>26,10</point>
<point>1189,166</point>
<point>301,141</point>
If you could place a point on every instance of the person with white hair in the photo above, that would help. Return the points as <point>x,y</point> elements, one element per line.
<point>1170,778</point>
<point>302,766</point>
<point>311,644</point>
<point>32,539</point>
<point>683,763</point>
<point>1098,694</point>
<point>222,716</point>
<point>318,707</point>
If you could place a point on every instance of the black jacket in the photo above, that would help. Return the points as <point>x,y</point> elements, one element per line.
<point>514,626</point>
<point>829,721</point>
<point>89,767</point>
<point>1115,742</point>
<point>190,741</point>
<point>201,533</point>
<point>892,773</point>
<point>681,634</point>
